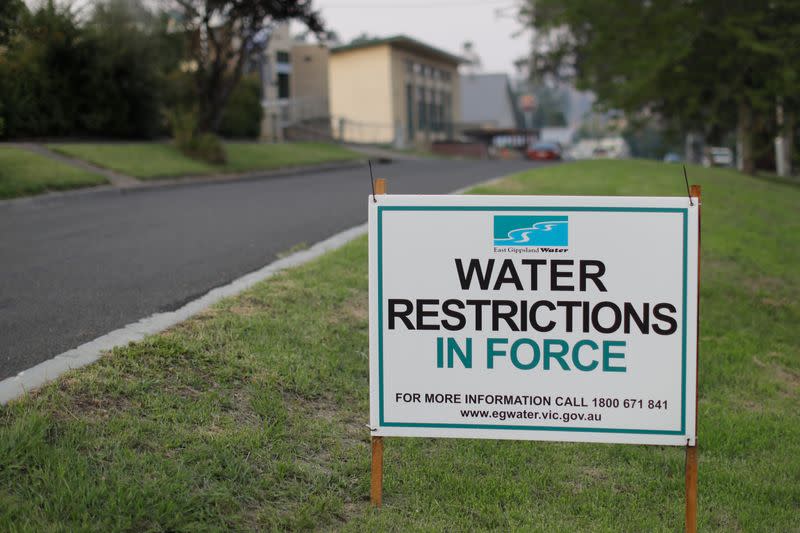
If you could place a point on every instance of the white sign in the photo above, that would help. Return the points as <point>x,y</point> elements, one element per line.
<point>531,317</point>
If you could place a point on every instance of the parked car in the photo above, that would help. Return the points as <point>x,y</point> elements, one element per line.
<point>672,157</point>
<point>717,156</point>
<point>544,151</point>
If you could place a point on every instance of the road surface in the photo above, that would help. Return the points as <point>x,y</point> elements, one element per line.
<point>74,267</point>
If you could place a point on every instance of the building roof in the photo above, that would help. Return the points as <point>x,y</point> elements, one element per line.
<point>400,41</point>
<point>486,99</point>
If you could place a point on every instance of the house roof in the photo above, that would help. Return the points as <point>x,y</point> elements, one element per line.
<point>487,99</point>
<point>401,41</point>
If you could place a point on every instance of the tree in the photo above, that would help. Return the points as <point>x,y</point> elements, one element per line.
<point>132,54</point>
<point>98,74</point>
<point>705,65</point>
<point>10,11</point>
<point>550,107</point>
<point>222,34</point>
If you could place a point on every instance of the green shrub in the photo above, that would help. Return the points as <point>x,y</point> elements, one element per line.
<point>207,147</point>
<point>202,146</point>
<point>183,124</point>
<point>242,115</point>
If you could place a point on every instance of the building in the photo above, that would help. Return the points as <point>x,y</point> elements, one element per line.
<point>275,71</point>
<point>294,83</point>
<point>308,87</point>
<point>393,90</point>
<point>490,114</point>
<point>487,101</point>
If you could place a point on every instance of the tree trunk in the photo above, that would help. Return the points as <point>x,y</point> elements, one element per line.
<point>208,91</point>
<point>744,137</point>
<point>215,94</point>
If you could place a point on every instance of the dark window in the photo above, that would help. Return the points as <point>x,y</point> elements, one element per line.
<point>431,111</point>
<point>410,111</point>
<point>283,56</point>
<point>448,114</point>
<point>283,85</point>
<point>422,111</point>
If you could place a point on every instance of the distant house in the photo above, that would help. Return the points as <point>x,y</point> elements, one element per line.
<point>393,90</point>
<point>294,83</point>
<point>487,102</point>
<point>490,115</point>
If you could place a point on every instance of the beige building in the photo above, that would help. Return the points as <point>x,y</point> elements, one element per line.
<point>295,88</point>
<point>308,87</point>
<point>394,90</point>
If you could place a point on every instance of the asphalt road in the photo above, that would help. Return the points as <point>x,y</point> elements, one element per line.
<point>74,267</point>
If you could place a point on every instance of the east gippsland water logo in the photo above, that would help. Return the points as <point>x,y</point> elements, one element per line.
<point>516,230</point>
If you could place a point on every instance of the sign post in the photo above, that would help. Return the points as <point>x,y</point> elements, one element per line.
<point>691,449</point>
<point>376,478</point>
<point>534,318</point>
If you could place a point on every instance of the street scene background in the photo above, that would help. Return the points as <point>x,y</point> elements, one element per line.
<point>183,268</point>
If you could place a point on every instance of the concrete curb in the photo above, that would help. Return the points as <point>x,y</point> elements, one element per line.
<point>85,354</point>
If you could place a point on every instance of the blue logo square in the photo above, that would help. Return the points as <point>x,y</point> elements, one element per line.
<point>521,230</point>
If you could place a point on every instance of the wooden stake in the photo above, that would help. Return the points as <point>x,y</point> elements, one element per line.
<point>691,489</point>
<point>376,483</point>
<point>380,186</point>
<point>376,480</point>
<point>691,451</point>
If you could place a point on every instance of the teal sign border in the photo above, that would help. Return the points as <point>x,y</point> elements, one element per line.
<point>382,419</point>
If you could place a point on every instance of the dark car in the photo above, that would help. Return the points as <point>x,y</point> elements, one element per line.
<point>544,151</point>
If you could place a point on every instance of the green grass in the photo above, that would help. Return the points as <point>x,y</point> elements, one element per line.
<point>255,156</point>
<point>141,160</point>
<point>24,173</point>
<point>160,160</point>
<point>251,416</point>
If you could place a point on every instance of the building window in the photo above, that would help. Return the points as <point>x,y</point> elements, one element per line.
<point>434,115</point>
<point>440,111</point>
<point>448,113</point>
<point>410,111</point>
<point>283,85</point>
<point>422,111</point>
<point>282,56</point>
<point>432,111</point>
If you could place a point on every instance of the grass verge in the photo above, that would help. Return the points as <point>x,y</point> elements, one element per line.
<point>23,173</point>
<point>160,160</point>
<point>251,416</point>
